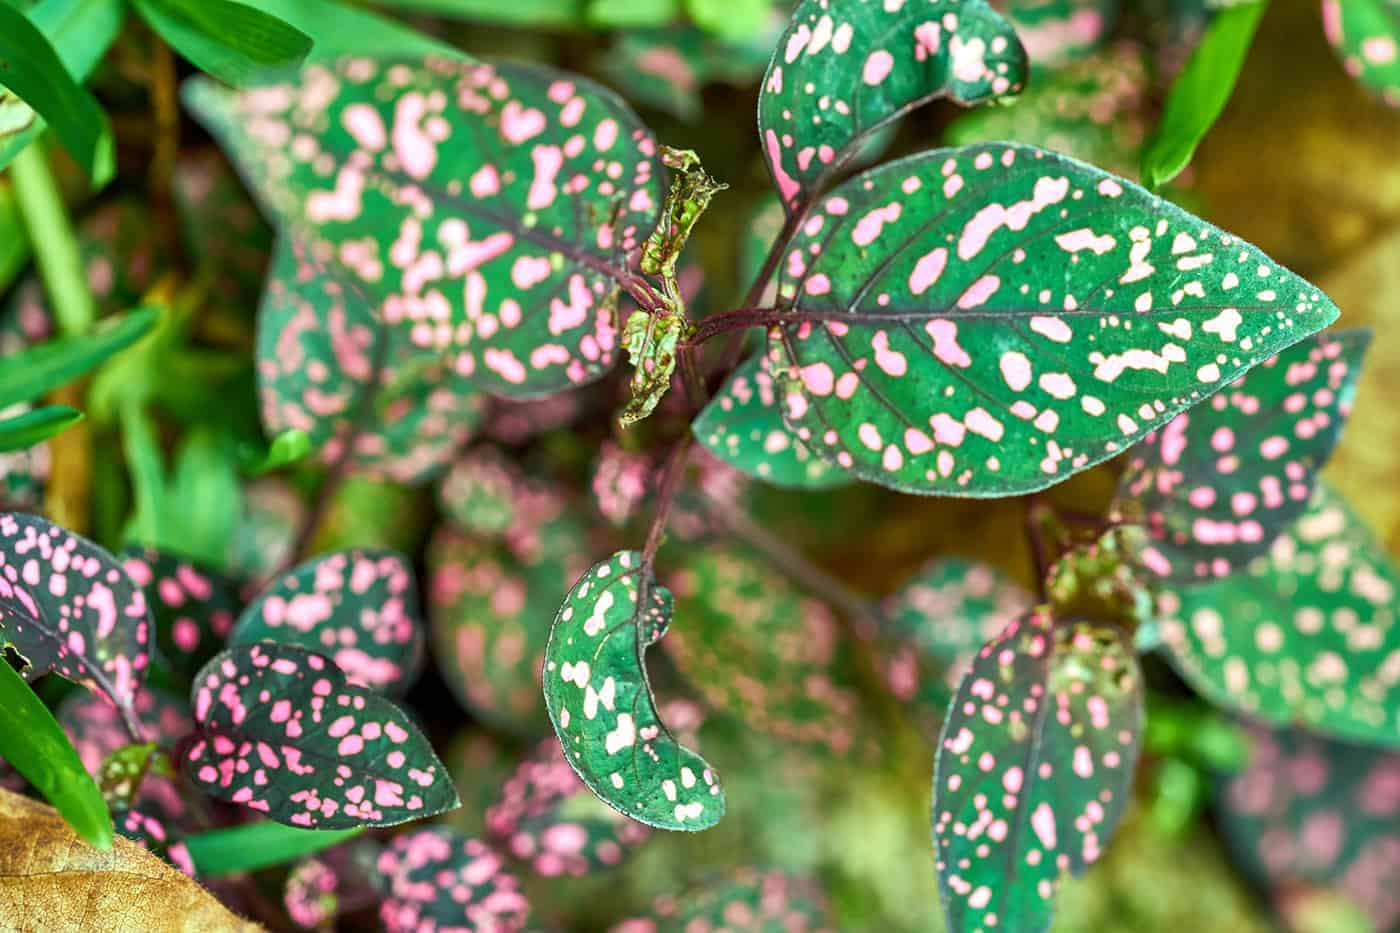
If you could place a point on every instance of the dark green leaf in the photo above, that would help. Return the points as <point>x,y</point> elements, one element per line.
<point>1366,37</point>
<point>508,273</point>
<point>1035,767</point>
<point>840,73</point>
<point>26,375</point>
<point>34,427</point>
<point>1219,482</point>
<point>67,606</point>
<point>284,732</point>
<point>34,744</point>
<point>601,705</point>
<point>1305,634</point>
<point>358,607</point>
<point>258,845</point>
<point>229,40</point>
<point>79,31</point>
<point>438,875</point>
<point>1312,811</point>
<point>987,321</point>
<point>318,345</point>
<point>1201,91</point>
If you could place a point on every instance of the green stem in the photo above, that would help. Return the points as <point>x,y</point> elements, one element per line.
<point>55,244</point>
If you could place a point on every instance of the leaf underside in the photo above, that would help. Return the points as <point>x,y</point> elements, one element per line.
<point>600,702</point>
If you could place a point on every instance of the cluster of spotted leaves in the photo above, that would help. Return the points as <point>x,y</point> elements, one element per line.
<point>749,899</point>
<point>1309,811</point>
<point>285,721</point>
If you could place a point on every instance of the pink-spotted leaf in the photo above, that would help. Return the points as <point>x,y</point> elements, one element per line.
<point>479,492</point>
<point>442,879</point>
<point>600,701</point>
<point>68,607</point>
<point>1365,34</point>
<point>743,426</point>
<point>751,900</point>
<point>936,623</point>
<point>545,817</point>
<point>490,609</point>
<point>1305,634</point>
<point>1034,768</point>
<point>1220,481</point>
<point>357,607</point>
<point>1055,32</point>
<point>843,70</point>
<point>318,350</point>
<point>988,320</point>
<point>192,607</point>
<point>763,651</point>
<point>342,879</point>
<point>485,208</point>
<point>282,731</point>
<point>1311,811</point>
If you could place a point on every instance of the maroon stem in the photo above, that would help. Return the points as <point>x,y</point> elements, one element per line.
<point>733,348</point>
<point>665,497</point>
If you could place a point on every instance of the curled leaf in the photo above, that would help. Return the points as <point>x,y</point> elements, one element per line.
<point>840,72</point>
<point>600,702</point>
<point>442,879</point>
<point>284,732</point>
<point>1035,766</point>
<point>987,321</point>
<point>67,606</point>
<point>357,607</point>
<point>1216,485</point>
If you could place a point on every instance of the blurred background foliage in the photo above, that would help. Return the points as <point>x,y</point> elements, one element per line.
<point>1303,163</point>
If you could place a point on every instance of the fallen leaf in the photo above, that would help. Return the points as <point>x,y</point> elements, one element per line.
<point>51,880</point>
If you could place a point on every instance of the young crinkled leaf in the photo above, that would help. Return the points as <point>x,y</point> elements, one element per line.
<point>284,732</point>
<point>485,209</point>
<point>357,607</point>
<point>937,622</point>
<point>318,354</point>
<point>1305,634</point>
<point>763,651</point>
<point>441,879</point>
<point>193,608</point>
<point>600,702</point>
<point>67,606</point>
<point>1219,482</point>
<point>843,70</point>
<point>1035,766</point>
<point>547,818</point>
<point>987,321</point>
<point>1311,811</point>
<point>1366,36</point>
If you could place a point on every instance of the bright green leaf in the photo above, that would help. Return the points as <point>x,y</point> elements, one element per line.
<point>288,447</point>
<point>602,708</point>
<point>987,321</point>
<point>35,745</point>
<point>229,40</point>
<point>14,239</point>
<point>340,29</point>
<point>253,846</point>
<point>735,20</point>
<point>31,373</point>
<point>1201,91</point>
<point>1035,768</point>
<point>33,427</point>
<point>839,74</point>
<point>32,70</point>
<point>514,13</point>
<point>80,32</point>
<point>631,14</point>
<point>1303,635</point>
